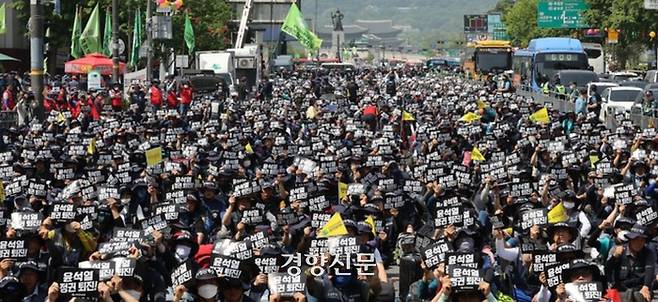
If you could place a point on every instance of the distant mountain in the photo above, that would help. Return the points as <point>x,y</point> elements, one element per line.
<point>428,19</point>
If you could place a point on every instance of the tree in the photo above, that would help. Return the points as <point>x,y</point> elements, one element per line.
<point>209,18</point>
<point>631,18</point>
<point>521,23</point>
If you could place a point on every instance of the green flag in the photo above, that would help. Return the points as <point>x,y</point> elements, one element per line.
<point>107,34</point>
<point>189,34</point>
<point>76,51</point>
<point>90,39</point>
<point>295,26</point>
<point>3,25</point>
<point>137,39</point>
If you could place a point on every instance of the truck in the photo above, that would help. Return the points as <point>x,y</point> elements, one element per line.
<point>221,62</point>
<point>247,62</point>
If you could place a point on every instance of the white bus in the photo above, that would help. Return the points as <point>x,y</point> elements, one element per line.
<point>595,57</point>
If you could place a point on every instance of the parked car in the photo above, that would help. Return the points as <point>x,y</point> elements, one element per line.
<point>620,99</point>
<point>634,83</point>
<point>651,76</point>
<point>623,76</point>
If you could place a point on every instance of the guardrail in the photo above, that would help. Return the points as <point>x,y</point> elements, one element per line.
<point>559,102</point>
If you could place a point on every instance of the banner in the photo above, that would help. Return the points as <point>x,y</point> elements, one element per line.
<point>334,227</point>
<point>295,26</point>
<point>90,39</point>
<point>557,214</point>
<point>477,155</point>
<point>541,116</point>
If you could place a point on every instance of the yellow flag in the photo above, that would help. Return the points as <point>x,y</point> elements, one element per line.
<point>371,223</point>
<point>91,149</point>
<point>477,155</point>
<point>557,214</point>
<point>541,116</point>
<point>407,117</point>
<point>470,117</point>
<point>593,159</point>
<point>153,156</point>
<point>481,104</point>
<point>248,149</point>
<point>60,118</point>
<point>334,227</point>
<point>342,190</point>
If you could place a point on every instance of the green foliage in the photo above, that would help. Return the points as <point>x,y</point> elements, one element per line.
<point>631,18</point>
<point>521,22</point>
<point>209,18</point>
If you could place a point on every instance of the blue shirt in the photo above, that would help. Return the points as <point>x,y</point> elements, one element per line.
<point>581,105</point>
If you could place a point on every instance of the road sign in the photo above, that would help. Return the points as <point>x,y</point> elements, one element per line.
<point>182,61</point>
<point>651,4</point>
<point>561,14</point>
<point>475,23</point>
<point>94,80</point>
<point>613,36</point>
<point>120,45</point>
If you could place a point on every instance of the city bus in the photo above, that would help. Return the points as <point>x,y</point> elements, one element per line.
<point>487,56</point>
<point>544,58</point>
<point>595,57</point>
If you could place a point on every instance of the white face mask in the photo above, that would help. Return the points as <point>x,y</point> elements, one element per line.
<point>569,205</point>
<point>182,252</point>
<point>208,291</point>
<point>622,236</point>
<point>134,293</point>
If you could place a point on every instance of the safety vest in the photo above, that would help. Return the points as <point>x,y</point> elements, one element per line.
<point>560,89</point>
<point>544,88</point>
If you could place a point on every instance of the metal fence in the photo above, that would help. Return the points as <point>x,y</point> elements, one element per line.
<point>561,103</point>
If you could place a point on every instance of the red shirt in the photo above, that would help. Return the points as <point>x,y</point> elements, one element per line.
<point>116,99</point>
<point>370,110</point>
<point>186,95</point>
<point>172,101</point>
<point>9,103</point>
<point>156,96</point>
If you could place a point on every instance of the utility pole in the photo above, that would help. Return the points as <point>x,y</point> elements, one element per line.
<point>115,41</point>
<point>36,55</point>
<point>149,40</point>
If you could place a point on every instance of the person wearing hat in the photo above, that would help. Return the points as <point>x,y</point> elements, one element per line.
<point>233,290</point>
<point>635,172</point>
<point>561,233</point>
<point>631,269</point>
<point>31,277</point>
<point>580,271</point>
<point>11,290</point>
<point>205,289</point>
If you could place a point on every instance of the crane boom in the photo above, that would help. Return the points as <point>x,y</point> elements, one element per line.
<point>242,30</point>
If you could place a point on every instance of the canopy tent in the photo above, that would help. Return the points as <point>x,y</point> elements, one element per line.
<point>93,62</point>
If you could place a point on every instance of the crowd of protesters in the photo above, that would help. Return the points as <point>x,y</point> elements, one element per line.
<point>314,185</point>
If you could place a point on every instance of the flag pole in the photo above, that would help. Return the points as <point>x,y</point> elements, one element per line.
<point>115,41</point>
<point>36,55</point>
